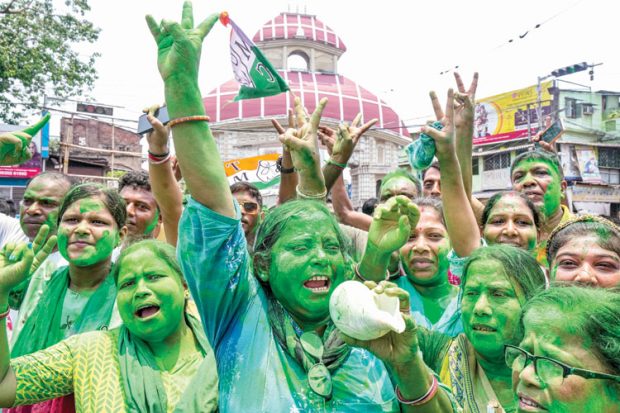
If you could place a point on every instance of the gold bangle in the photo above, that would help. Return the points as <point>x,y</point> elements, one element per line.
<point>176,121</point>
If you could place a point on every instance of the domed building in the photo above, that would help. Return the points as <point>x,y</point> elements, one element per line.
<point>306,51</point>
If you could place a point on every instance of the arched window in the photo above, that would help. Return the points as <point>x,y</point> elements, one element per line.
<point>298,60</point>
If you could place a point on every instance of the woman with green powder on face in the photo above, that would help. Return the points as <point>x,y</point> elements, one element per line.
<point>276,347</point>
<point>585,250</point>
<point>79,297</point>
<point>158,361</point>
<point>569,359</point>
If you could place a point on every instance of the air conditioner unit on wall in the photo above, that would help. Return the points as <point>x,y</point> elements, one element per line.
<point>588,109</point>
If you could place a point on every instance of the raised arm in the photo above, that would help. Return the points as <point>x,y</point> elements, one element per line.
<point>340,199</point>
<point>164,185</point>
<point>179,47</point>
<point>460,220</point>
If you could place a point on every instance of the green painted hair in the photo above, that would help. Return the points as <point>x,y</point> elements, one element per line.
<point>162,250</point>
<point>402,173</point>
<point>277,220</point>
<point>592,313</point>
<point>539,155</point>
<point>520,267</point>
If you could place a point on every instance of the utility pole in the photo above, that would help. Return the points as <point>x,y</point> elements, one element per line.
<point>68,139</point>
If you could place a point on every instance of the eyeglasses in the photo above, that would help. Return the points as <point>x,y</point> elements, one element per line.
<point>250,207</point>
<point>549,371</point>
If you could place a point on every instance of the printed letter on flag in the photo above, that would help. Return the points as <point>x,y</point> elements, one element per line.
<point>252,70</point>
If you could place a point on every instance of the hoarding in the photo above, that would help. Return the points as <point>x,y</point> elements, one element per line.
<point>504,117</point>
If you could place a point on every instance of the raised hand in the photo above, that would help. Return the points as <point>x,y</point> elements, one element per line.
<point>549,147</point>
<point>158,138</point>
<point>393,348</point>
<point>348,138</point>
<point>444,139</point>
<point>392,223</point>
<point>303,141</point>
<point>15,262</point>
<point>15,146</point>
<point>179,45</point>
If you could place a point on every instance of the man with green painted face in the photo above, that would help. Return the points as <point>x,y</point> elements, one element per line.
<point>42,199</point>
<point>143,216</point>
<point>539,175</point>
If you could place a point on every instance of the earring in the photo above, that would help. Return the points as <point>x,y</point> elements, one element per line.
<point>187,294</point>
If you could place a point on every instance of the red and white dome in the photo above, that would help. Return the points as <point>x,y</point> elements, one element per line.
<point>346,100</point>
<point>298,26</point>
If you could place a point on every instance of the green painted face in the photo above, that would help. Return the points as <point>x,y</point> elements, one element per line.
<point>541,182</point>
<point>87,233</point>
<point>398,186</point>
<point>490,309</point>
<point>307,264</point>
<point>151,296</point>
<point>40,205</point>
<point>425,255</point>
<point>511,222</point>
<point>548,333</point>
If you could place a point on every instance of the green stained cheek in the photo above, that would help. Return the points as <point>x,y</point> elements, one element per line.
<point>52,221</point>
<point>151,226</point>
<point>551,199</point>
<point>63,241</point>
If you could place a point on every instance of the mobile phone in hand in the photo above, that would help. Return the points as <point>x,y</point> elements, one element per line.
<point>145,127</point>
<point>553,132</point>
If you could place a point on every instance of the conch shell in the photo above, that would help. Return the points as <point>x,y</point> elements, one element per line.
<point>363,314</point>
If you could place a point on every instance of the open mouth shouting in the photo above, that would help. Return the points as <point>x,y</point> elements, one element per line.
<point>318,284</point>
<point>147,311</point>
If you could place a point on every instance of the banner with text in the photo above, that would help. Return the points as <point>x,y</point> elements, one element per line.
<point>504,117</point>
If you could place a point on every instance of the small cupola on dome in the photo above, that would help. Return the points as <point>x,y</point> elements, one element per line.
<point>295,41</point>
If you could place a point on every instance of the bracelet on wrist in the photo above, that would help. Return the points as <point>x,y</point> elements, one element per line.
<point>432,391</point>
<point>330,161</point>
<point>356,269</point>
<point>158,160</point>
<point>184,119</point>
<point>300,194</point>
<point>281,169</point>
<point>159,155</point>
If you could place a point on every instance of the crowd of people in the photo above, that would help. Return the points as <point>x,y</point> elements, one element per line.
<point>146,299</point>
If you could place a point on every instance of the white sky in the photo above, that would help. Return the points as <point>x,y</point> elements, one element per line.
<point>396,48</point>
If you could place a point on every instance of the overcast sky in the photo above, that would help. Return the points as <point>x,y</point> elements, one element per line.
<point>396,49</point>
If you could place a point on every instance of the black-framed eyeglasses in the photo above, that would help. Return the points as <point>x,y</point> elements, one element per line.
<point>250,207</point>
<point>548,370</point>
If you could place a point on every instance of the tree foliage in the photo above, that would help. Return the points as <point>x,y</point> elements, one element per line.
<point>37,53</point>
